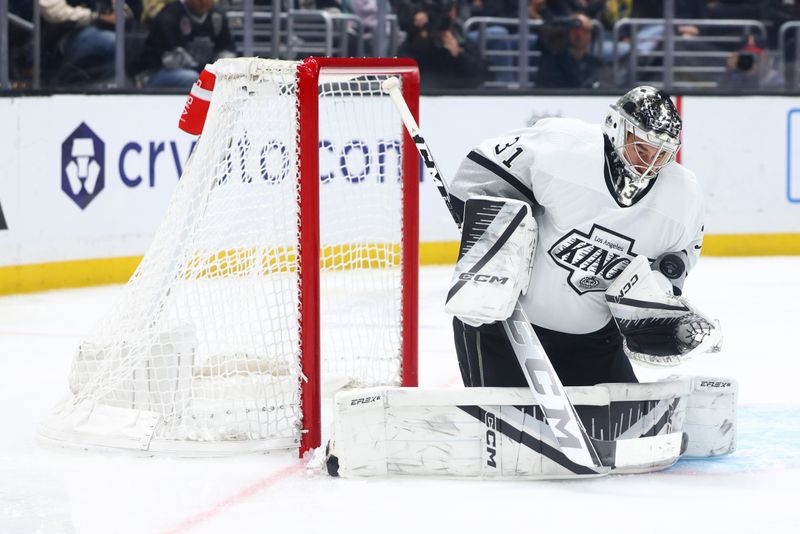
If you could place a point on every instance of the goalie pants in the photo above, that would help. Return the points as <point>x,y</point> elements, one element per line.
<point>486,358</point>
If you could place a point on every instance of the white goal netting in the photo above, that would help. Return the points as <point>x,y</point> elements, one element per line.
<point>203,350</point>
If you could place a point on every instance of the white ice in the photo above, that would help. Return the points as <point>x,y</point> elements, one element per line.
<point>755,490</point>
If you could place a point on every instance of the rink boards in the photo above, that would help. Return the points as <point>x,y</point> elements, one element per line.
<point>82,213</point>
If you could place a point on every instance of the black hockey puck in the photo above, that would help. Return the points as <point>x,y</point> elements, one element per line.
<point>331,461</point>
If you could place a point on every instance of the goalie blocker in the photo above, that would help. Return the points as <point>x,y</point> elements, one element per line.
<point>500,433</point>
<point>498,239</point>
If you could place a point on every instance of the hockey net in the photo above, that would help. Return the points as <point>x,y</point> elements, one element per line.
<point>215,343</point>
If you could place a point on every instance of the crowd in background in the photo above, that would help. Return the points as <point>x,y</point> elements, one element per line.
<point>173,40</point>
<point>169,41</point>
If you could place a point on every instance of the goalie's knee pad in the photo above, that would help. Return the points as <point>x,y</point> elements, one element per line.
<point>498,240</point>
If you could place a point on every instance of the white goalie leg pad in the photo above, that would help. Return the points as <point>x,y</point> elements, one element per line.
<point>477,432</point>
<point>658,328</point>
<point>704,408</point>
<point>640,412</point>
<point>711,417</point>
<point>473,432</point>
<point>498,240</point>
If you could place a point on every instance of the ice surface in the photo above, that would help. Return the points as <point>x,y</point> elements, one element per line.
<point>755,490</point>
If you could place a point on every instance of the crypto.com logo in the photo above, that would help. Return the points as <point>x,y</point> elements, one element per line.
<point>83,165</point>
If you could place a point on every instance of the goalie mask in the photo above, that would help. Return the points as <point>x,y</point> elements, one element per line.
<point>644,128</point>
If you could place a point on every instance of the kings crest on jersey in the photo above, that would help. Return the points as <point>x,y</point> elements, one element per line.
<point>593,259</point>
<point>565,169</point>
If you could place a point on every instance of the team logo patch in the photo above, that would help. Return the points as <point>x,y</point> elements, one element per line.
<point>593,260</point>
<point>185,25</point>
<point>589,282</point>
<point>82,165</point>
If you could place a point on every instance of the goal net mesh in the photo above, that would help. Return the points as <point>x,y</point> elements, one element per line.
<point>204,343</point>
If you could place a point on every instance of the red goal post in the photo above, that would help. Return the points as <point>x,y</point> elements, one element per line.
<point>310,72</point>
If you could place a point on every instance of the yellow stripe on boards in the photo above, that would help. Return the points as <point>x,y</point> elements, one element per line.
<point>62,274</point>
<point>752,245</point>
<point>81,273</point>
<point>232,262</point>
<point>438,252</point>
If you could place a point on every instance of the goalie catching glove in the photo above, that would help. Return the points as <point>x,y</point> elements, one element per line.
<point>658,328</point>
<point>498,239</point>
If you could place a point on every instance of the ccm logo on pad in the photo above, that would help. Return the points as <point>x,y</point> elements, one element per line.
<point>491,440</point>
<point>483,278</point>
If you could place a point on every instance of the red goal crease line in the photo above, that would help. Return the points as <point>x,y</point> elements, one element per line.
<point>238,498</point>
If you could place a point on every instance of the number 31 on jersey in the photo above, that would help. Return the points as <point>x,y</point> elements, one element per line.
<point>517,151</point>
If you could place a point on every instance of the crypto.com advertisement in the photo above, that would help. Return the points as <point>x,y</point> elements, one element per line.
<point>90,176</point>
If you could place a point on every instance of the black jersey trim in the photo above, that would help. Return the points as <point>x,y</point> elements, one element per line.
<point>644,304</point>
<point>496,169</point>
<point>523,438</point>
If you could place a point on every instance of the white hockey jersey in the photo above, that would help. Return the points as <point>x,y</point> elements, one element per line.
<point>586,238</point>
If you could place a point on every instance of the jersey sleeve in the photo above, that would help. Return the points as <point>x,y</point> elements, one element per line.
<point>693,237</point>
<point>695,245</point>
<point>498,167</point>
<point>677,264</point>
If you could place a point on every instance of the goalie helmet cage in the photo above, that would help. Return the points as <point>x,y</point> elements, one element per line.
<point>214,345</point>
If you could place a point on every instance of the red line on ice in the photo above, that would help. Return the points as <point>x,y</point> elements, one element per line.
<point>239,497</point>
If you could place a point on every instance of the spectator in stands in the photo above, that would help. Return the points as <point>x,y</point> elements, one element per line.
<point>80,36</point>
<point>20,43</point>
<point>776,13</point>
<point>652,36</point>
<point>536,9</point>
<point>367,12</point>
<point>491,8</point>
<point>331,6</point>
<point>498,38</point>
<point>184,37</point>
<point>365,9</point>
<point>684,9</point>
<point>734,9</point>
<point>750,67</point>
<point>566,61</point>
<point>613,11</point>
<point>444,60</point>
<point>566,8</point>
<point>150,9</point>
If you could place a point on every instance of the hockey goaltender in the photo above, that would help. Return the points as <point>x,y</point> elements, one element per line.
<point>576,241</point>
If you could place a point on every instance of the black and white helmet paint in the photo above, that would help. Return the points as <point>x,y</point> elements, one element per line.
<point>644,127</point>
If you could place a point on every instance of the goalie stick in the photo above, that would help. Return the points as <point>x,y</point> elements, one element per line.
<point>542,379</point>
